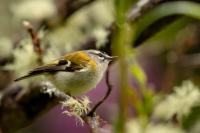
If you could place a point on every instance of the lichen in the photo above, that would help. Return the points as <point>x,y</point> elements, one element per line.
<point>76,108</point>
<point>178,103</point>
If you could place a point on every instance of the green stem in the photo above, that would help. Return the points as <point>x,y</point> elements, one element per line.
<point>121,43</point>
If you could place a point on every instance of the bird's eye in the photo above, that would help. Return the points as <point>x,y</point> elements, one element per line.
<point>101,57</point>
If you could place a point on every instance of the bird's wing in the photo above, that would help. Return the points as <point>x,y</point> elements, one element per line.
<point>68,63</point>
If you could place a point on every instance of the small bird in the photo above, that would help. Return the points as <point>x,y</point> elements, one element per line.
<point>74,73</point>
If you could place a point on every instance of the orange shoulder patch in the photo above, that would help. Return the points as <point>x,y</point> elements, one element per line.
<point>81,58</point>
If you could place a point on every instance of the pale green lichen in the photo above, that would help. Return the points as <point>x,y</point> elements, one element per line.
<point>33,9</point>
<point>76,108</point>
<point>135,126</point>
<point>101,36</point>
<point>71,106</point>
<point>5,47</point>
<point>178,103</point>
<point>24,57</point>
<point>91,20</point>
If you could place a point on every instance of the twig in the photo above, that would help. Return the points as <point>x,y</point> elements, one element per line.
<point>109,89</point>
<point>35,38</point>
<point>96,124</point>
<point>141,7</point>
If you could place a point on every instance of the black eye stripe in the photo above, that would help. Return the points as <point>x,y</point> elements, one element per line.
<point>101,55</point>
<point>104,53</point>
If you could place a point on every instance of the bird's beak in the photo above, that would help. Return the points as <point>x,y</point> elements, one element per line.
<point>111,58</point>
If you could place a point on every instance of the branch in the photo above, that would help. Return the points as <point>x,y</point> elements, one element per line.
<point>98,125</point>
<point>141,7</point>
<point>24,103</point>
<point>16,102</point>
<point>79,109</point>
<point>35,38</point>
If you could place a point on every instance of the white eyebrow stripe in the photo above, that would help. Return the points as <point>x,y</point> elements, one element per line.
<point>96,52</point>
<point>100,54</point>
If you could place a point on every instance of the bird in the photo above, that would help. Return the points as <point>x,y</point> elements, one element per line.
<point>74,73</point>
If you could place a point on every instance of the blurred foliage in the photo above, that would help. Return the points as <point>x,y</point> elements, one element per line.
<point>158,49</point>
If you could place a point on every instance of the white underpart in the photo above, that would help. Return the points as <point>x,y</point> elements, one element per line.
<point>75,83</point>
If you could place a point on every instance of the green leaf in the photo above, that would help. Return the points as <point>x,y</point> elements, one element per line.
<point>186,8</point>
<point>138,73</point>
<point>169,32</point>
